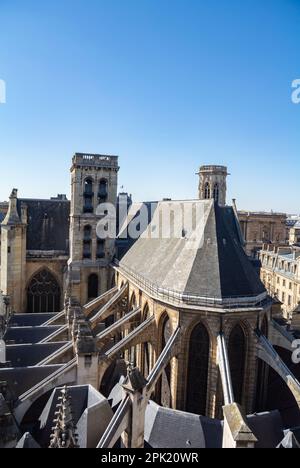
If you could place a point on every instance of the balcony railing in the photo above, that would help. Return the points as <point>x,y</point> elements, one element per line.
<point>176,297</point>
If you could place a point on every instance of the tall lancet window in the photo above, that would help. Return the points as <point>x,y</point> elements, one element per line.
<point>237,361</point>
<point>216,193</point>
<point>207,191</point>
<point>103,191</point>
<point>198,364</point>
<point>93,286</point>
<point>88,196</point>
<point>43,294</point>
<point>87,242</point>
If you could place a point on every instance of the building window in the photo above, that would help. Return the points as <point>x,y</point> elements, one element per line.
<point>43,293</point>
<point>207,191</point>
<point>100,248</point>
<point>87,242</point>
<point>103,191</point>
<point>216,193</point>
<point>88,196</point>
<point>165,381</point>
<point>196,396</point>
<point>237,360</point>
<point>93,286</point>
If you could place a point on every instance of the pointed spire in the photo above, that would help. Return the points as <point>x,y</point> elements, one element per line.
<point>64,432</point>
<point>12,216</point>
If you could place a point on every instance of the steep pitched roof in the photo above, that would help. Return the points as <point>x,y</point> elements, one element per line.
<point>20,380</point>
<point>30,354</point>
<point>23,335</point>
<point>27,442</point>
<point>48,224</point>
<point>209,263</point>
<point>192,431</point>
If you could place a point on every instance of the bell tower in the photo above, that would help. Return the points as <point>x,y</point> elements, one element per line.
<point>213,183</point>
<point>94,180</point>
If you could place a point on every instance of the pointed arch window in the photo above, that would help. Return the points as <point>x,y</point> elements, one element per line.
<point>165,384</point>
<point>100,248</point>
<point>87,242</point>
<point>43,293</point>
<point>88,196</point>
<point>93,286</point>
<point>265,326</point>
<point>216,193</point>
<point>199,346</point>
<point>133,303</point>
<point>237,360</point>
<point>207,191</point>
<point>103,190</point>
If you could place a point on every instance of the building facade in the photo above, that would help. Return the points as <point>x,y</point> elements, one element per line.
<point>50,247</point>
<point>294,234</point>
<point>222,296</point>
<point>180,322</point>
<point>262,228</point>
<point>280,274</point>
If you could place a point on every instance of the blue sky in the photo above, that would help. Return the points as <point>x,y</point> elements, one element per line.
<point>167,85</point>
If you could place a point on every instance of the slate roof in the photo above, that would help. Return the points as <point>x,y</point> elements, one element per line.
<point>27,442</point>
<point>30,354</point>
<point>124,240</point>
<point>212,263</point>
<point>79,401</point>
<point>23,335</point>
<point>30,320</point>
<point>170,429</point>
<point>48,224</point>
<point>267,428</point>
<point>19,380</point>
<point>91,414</point>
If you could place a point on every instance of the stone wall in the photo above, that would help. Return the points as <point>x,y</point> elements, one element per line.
<point>214,321</point>
<point>261,228</point>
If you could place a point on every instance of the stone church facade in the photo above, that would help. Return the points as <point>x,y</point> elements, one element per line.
<point>49,246</point>
<point>183,318</point>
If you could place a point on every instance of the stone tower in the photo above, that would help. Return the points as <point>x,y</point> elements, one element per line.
<point>13,253</point>
<point>94,182</point>
<point>213,184</point>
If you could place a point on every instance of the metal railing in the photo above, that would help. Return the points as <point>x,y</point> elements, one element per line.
<point>176,297</point>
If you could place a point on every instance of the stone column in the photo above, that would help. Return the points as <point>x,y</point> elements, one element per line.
<point>135,387</point>
<point>237,433</point>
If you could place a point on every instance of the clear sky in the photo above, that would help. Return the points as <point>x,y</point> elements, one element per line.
<point>167,85</point>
